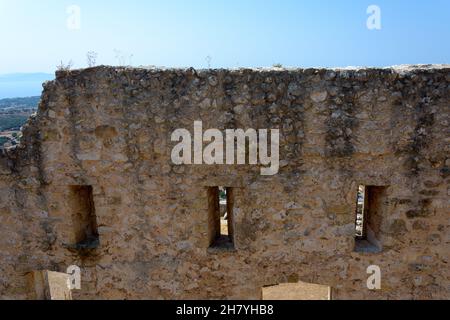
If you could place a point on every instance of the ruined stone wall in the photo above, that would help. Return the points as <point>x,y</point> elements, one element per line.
<point>110,128</point>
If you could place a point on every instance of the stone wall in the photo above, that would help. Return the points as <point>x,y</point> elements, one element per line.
<point>110,128</point>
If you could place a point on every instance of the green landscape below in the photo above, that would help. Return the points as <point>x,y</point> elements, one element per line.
<point>14,113</point>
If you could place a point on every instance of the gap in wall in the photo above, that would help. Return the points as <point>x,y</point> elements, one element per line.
<point>220,217</point>
<point>83,217</point>
<point>370,204</point>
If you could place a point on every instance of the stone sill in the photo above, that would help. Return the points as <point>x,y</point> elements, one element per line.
<point>364,246</point>
<point>222,244</point>
<point>87,245</point>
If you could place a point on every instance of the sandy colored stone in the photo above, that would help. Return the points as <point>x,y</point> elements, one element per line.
<point>112,131</point>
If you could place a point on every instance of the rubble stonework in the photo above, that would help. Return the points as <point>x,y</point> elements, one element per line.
<point>110,128</point>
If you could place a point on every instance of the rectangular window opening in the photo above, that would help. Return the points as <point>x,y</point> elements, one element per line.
<point>369,210</point>
<point>83,217</point>
<point>220,209</point>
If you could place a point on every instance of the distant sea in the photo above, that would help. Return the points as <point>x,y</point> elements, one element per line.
<point>22,84</point>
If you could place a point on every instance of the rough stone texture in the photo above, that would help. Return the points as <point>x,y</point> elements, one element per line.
<point>110,128</point>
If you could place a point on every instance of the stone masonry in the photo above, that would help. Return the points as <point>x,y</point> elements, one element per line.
<point>103,134</point>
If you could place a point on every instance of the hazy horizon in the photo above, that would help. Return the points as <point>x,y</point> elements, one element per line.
<point>16,85</point>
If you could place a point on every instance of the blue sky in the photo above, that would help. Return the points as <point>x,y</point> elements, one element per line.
<point>234,33</point>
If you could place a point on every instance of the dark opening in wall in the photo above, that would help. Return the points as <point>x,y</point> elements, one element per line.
<point>220,217</point>
<point>370,205</point>
<point>83,217</point>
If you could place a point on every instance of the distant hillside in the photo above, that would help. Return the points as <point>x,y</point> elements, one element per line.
<point>20,103</point>
<point>12,122</point>
<point>22,84</point>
